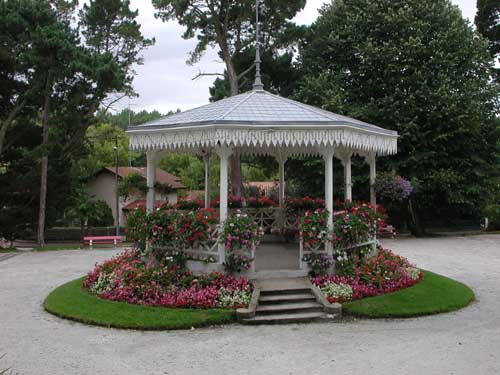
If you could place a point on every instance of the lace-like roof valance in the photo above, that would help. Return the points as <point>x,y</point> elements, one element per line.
<point>259,122</point>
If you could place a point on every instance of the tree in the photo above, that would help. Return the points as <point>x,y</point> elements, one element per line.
<point>63,69</point>
<point>416,67</point>
<point>132,183</point>
<point>125,117</point>
<point>229,26</point>
<point>488,24</point>
<point>279,74</point>
<point>101,142</point>
<point>90,212</point>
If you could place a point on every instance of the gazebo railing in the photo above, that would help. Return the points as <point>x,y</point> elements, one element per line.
<point>305,250</point>
<point>205,251</point>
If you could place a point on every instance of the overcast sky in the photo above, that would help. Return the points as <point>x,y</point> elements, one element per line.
<point>165,82</point>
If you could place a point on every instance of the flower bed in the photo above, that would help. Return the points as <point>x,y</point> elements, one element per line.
<point>355,225</point>
<point>241,235</point>
<point>371,276</point>
<point>172,232</point>
<point>128,278</point>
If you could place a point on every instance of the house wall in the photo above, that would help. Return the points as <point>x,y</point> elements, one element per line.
<point>103,188</point>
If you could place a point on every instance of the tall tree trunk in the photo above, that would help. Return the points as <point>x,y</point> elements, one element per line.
<point>236,178</point>
<point>43,174</point>
<point>3,133</point>
<point>416,226</point>
<point>4,125</point>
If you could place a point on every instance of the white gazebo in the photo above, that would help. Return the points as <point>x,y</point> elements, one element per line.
<point>258,122</point>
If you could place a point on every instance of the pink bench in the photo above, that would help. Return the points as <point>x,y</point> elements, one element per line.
<point>90,240</point>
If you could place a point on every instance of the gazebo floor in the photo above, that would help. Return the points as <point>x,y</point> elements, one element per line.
<point>277,256</point>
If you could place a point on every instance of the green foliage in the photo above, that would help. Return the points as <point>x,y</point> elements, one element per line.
<point>137,230</point>
<point>241,232</point>
<point>492,212</point>
<point>435,294</point>
<point>125,117</point>
<point>101,143</point>
<point>110,30</point>
<point>132,183</point>
<point>231,27</point>
<point>70,301</point>
<point>279,75</point>
<point>313,227</point>
<point>488,24</point>
<point>90,212</point>
<point>191,170</point>
<point>188,168</point>
<point>416,67</point>
<point>74,59</point>
<point>170,231</point>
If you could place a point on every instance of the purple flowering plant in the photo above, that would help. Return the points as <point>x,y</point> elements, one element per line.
<point>393,188</point>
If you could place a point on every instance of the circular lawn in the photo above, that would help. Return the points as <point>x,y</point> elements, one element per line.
<point>72,302</point>
<point>434,294</point>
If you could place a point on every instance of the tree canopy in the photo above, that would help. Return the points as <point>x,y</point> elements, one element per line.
<point>58,65</point>
<point>415,66</point>
<point>488,24</point>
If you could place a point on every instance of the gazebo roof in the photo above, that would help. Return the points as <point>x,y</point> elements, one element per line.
<point>259,120</point>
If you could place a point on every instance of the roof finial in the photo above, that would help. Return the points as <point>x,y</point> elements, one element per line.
<point>257,85</point>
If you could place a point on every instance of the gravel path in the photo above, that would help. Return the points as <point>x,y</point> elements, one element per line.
<point>464,342</point>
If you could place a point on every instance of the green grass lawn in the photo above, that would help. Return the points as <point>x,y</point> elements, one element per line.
<point>72,246</point>
<point>8,250</point>
<point>70,301</point>
<point>433,295</point>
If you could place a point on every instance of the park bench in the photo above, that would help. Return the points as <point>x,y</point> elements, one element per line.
<point>91,240</point>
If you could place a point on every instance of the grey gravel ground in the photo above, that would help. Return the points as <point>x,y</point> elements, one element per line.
<point>464,342</point>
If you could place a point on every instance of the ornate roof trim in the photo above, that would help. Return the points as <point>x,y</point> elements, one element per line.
<point>264,139</point>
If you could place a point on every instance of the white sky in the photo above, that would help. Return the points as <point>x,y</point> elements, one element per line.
<point>165,82</point>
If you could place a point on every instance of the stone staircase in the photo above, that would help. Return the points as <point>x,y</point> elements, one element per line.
<point>278,301</point>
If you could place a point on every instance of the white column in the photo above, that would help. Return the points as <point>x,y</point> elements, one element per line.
<point>151,159</point>
<point>224,153</point>
<point>328,157</point>
<point>373,175</point>
<point>206,159</point>
<point>347,178</point>
<point>282,161</point>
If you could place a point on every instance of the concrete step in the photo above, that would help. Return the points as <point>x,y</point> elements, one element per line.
<point>288,308</point>
<point>283,291</point>
<point>286,298</point>
<point>273,238</point>
<point>286,318</point>
<point>277,274</point>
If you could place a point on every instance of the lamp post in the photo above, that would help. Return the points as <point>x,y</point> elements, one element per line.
<point>117,196</point>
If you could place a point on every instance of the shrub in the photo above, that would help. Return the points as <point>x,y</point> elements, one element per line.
<point>304,203</point>
<point>355,226</point>
<point>319,263</point>
<point>261,202</point>
<point>492,212</point>
<point>237,263</point>
<point>127,278</point>
<point>385,273</point>
<point>187,204</point>
<point>313,228</point>
<point>129,184</point>
<point>195,227</point>
<point>240,235</point>
<point>137,227</point>
<point>392,188</point>
<point>241,232</point>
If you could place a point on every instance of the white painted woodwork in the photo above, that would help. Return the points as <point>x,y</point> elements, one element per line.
<point>151,160</point>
